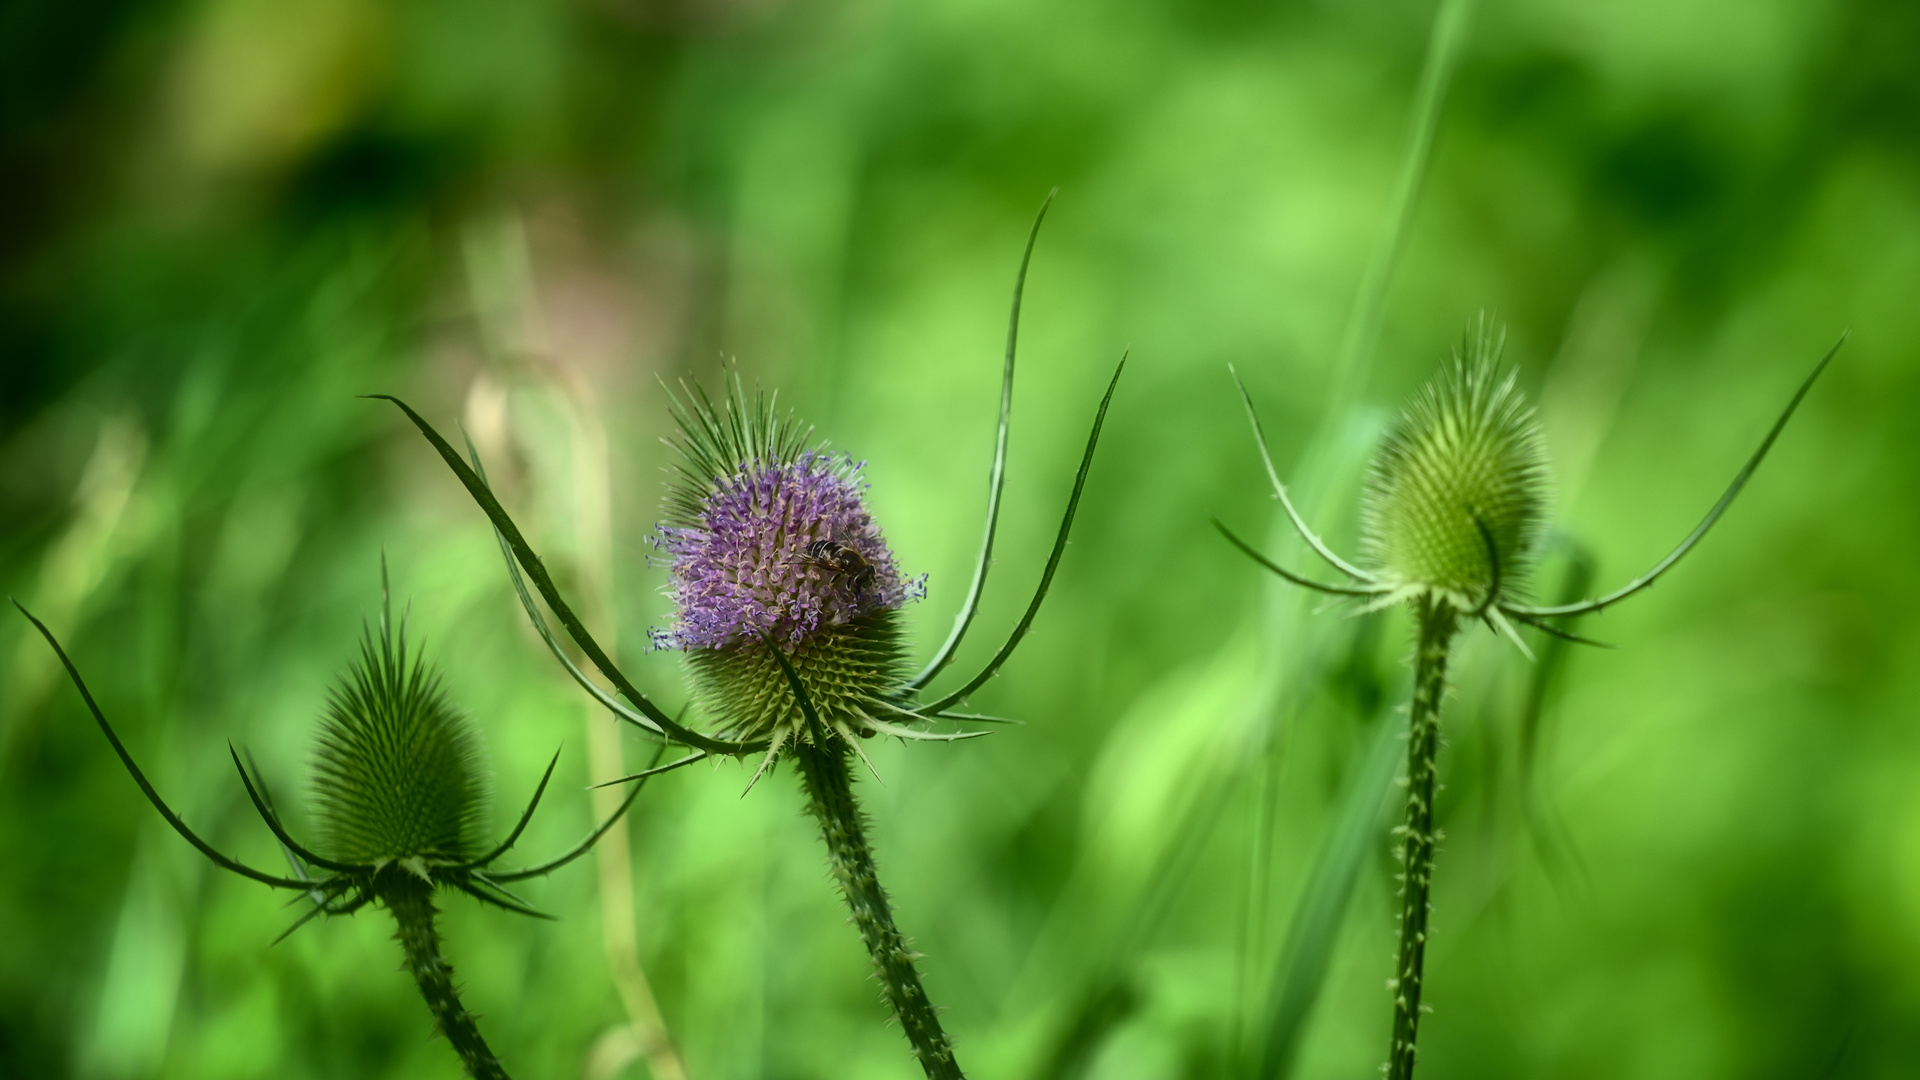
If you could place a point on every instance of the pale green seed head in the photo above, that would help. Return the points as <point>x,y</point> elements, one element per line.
<point>398,770</point>
<point>1465,464</point>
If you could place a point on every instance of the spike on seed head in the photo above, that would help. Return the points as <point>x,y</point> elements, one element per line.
<point>1457,497</point>
<point>771,544</point>
<point>398,770</point>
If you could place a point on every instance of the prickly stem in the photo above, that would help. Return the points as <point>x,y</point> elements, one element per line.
<point>411,902</point>
<point>830,797</point>
<point>1437,624</point>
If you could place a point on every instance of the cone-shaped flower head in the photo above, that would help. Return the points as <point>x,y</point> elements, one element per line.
<point>1458,494</point>
<point>398,772</point>
<point>771,547</point>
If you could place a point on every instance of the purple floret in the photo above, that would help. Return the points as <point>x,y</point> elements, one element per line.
<point>742,573</point>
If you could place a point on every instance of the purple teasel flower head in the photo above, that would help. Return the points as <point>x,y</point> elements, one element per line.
<point>781,550</point>
<point>771,546</point>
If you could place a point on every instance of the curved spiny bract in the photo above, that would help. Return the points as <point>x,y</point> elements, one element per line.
<point>1454,510</point>
<point>167,814</point>
<point>1713,515</point>
<point>536,570</point>
<point>996,473</point>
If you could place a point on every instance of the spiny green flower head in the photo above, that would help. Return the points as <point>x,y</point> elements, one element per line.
<point>1457,498</point>
<point>772,546</point>
<point>398,771</point>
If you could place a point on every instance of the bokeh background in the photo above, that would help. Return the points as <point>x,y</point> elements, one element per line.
<point>1697,855</point>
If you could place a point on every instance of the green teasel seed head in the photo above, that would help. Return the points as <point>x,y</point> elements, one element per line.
<point>398,771</point>
<point>1457,498</point>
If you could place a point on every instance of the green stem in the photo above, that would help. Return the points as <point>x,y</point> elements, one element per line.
<point>411,901</point>
<point>830,797</point>
<point>1437,623</point>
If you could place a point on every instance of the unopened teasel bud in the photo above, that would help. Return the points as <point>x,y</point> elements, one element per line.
<point>1457,497</point>
<point>398,773</point>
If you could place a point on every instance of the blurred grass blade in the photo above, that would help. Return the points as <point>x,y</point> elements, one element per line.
<point>1354,361</point>
<point>1315,930</point>
<point>1549,836</point>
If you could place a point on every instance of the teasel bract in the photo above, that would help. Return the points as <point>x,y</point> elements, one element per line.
<point>1452,517</point>
<point>400,792</point>
<point>787,605</point>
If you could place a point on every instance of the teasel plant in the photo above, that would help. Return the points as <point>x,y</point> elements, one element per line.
<point>1452,520</point>
<point>401,795</point>
<point>787,606</point>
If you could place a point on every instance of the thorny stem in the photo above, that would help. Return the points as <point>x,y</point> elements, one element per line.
<point>411,901</point>
<point>830,797</point>
<point>1437,624</point>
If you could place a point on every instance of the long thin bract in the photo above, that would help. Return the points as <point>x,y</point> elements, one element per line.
<point>612,704</point>
<point>1700,530</point>
<point>544,583</point>
<point>298,868</point>
<point>592,838</point>
<point>521,826</point>
<point>1053,558</point>
<point>140,778</point>
<point>697,755</point>
<point>1280,490</point>
<point>279,833</point>
<point>996,478</point>
<point>505,901</point>
<point>1336,590</point>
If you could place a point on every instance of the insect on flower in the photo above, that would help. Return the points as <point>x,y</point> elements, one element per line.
<point>838,559</point>
<point>400,794</point>
<point>1454,508</point>
<point>787,607</point>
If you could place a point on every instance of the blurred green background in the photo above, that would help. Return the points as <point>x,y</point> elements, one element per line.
<point>1696,856</point>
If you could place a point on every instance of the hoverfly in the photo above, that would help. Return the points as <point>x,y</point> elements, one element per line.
<point>839,560</point>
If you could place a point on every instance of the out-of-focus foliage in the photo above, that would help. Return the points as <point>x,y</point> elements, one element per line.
<point>220,220</point>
